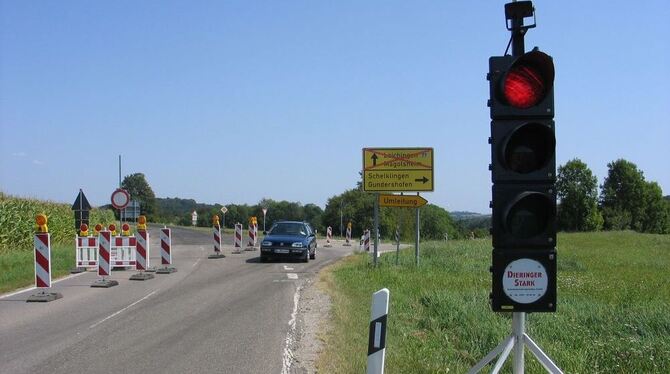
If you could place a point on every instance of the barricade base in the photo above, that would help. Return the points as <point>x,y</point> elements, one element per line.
<point>347,244</point>
<point>44,297</point>
<point>250,249</point>
<point>216,255</point>
<point>166,270</point>
<point>104,283</point>
<point>237,251</point>
<point>78,269</point>
<point>151,269</point>
<point>141,276</point>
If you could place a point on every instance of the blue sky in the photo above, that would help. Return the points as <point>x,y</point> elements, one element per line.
<point>233,101</point>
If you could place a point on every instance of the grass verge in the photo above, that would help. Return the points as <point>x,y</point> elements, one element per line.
<point>17,268</point>
<point>614,298</point>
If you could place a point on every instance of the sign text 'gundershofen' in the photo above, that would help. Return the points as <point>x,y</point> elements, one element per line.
<point>398,169</point>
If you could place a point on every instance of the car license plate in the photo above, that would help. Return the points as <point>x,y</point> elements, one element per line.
<point>281,250</point>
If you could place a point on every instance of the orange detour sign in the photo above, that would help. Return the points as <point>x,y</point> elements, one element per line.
<point>401,201</point>
<point>397,169</point>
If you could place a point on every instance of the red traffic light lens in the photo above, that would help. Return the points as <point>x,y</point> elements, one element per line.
<point>524,87</point>
<point>528,80</point>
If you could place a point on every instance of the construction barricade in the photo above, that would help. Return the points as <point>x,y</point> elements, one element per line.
<point>237,240</point>
<point>42,253</point>
<point>329,236</point>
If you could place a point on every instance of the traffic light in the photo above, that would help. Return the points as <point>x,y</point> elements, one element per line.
<point>523,172</point>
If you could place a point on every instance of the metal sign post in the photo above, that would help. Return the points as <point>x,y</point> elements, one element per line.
<point>418,234</point>
<point>376,231</point>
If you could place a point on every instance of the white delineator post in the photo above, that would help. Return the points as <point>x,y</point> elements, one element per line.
<point>329,236</point>
<point>377,337</point>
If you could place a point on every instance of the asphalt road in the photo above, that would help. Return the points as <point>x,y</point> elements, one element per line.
<point>230,315</point>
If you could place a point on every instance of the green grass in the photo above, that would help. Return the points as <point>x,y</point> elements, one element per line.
<point>17,268</point>
<point>613,308</point>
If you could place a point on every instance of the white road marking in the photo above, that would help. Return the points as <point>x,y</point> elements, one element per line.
<point>287,358</point>
<point>33,288</point>
<point>292,276</point>
<point>195,263</point>
<point>122,310</point>
<point>287,268</point>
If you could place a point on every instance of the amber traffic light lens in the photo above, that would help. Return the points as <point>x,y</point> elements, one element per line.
<point>529,148</point>
<point>529,215</point>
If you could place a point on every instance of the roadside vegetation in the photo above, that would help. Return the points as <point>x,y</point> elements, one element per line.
<point>613,303</point>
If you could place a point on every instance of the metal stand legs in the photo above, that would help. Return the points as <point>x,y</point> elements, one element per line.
<point>517,341</point>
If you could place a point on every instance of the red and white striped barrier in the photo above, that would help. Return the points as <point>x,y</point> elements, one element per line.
<point>217,238</point>
<point>329,236</point>
<point>142,250</point>
<point>251,245</point>
<point>347,241</point>
<point>366,241</point>
<point>104,261</point>
<point>86,250</point>
<point>166,247</point>
<point>237,241</point>
<point>166,252</point>
<point>42,260</point>
<point>123,251</point>
<point>104,253</point>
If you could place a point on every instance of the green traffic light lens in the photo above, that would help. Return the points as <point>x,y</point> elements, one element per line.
<point>529,148</point>
<point>529,215</point>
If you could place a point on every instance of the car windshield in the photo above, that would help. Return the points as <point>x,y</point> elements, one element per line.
<point>289,229</point>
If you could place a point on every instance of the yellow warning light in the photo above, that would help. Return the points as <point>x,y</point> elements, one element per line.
<point>97,229</point>
<point>41,220</point>
<point>125,229</point>
<point>112,228</point>
<point>215,220</point>
<point>349,225</point>
<point>141,223</point>
<point>83,230</point>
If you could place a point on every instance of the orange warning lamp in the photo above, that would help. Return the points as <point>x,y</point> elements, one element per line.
<point>97,229</point>
<point>41,220</point>
<point>141,223</point>
<point>349,225</point>
<point>215,220</point>
<point>125,229</point>
<point>83,230</point>
<point>112,228</point>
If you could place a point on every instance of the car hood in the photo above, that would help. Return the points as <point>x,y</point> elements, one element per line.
<point>285,238</point>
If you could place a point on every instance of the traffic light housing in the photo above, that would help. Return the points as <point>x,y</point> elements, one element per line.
<point>523,172</point>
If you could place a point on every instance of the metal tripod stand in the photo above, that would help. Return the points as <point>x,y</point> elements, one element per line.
<point>517,340</point>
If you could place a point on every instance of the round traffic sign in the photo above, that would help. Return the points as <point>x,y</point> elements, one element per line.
<point>120,198</point>
<point>525,281</point>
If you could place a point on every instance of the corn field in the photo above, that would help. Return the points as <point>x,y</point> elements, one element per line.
<point>17,221</point>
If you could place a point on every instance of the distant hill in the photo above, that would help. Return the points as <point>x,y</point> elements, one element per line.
<point>462,215</point>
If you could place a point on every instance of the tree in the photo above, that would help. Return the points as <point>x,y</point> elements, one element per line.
<point>435,222</point>
<point>577,190</point>
<point>657,215</point>
<point>623,196</point>
<point>139,189</point>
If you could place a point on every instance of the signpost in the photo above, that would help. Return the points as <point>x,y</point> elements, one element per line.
<point>398,170</point>
<point>401,201</point>
<point>81,207</point>
<point>224,210</point>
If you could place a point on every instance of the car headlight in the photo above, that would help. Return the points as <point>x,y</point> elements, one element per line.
<point>297,245</point>
<point>266,244</point>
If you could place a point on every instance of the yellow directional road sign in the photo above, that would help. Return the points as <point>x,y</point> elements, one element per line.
<point>401,201</point>
<point>398,169</point>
